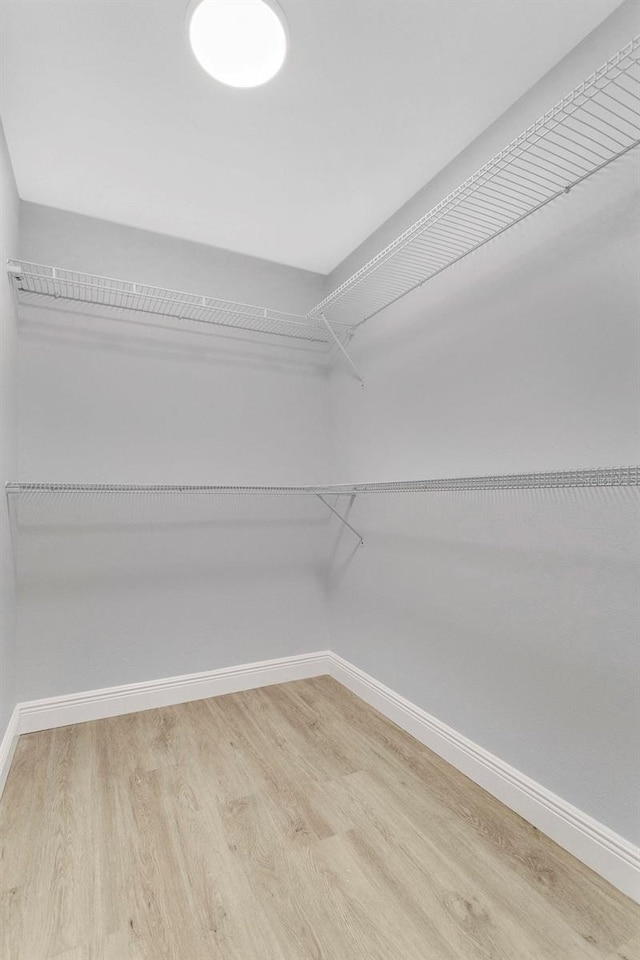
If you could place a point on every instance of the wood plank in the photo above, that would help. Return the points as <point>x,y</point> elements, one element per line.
<point>285,823</point>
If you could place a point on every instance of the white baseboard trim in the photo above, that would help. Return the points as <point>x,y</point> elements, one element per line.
<point>610,855</point>
<point>606,852</point>
<point>133,697</point>
<point>8,745</point>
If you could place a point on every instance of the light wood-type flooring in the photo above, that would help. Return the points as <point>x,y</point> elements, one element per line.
<point>287,822</point>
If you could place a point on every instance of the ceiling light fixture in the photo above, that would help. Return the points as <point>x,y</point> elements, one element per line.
<point>242,43</point>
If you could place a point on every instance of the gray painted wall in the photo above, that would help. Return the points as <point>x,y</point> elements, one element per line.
<point>64,239</point>
<point>109,597</point>
<point>511,616</point>
<point>8,430</point>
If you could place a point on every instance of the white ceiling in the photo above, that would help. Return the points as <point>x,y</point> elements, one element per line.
<point>106,113</point>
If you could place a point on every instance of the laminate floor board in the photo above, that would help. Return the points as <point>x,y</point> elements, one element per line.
<point>572,890</point>
<point>627,951</point>
<point>468,902</point>
<point>292,822</point>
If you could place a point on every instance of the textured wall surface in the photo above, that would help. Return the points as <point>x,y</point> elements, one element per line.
<point>113,595</point>
<point>57,237</point>
<point>512,616</point>
<point>8,430</point>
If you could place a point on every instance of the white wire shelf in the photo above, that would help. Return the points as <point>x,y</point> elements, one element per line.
<point>598,477</point>
<point>76,503</point>
<point>35,281</point>
<point>591,126</point>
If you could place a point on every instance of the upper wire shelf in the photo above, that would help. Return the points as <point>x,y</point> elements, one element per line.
<point>33,281</point>
<point>595,123</point>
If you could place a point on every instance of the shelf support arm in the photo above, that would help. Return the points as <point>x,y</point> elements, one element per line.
<point>324,320</point>
<point>340,517</point>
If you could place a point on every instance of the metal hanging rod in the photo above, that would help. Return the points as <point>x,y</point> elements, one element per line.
<point>591,126</point>
<point>598,477</point>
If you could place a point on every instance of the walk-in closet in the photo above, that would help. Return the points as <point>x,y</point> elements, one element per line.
<point>319,447</point>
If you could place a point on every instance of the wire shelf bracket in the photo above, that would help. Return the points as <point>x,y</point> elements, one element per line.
<point>341,518</point>
<point>342,348</point>
<point>593,125</point>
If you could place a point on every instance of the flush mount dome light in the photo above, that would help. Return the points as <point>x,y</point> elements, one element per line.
<point>242,43</point>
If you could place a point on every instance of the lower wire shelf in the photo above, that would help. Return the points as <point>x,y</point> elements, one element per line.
<point>40,493</point>
<point>595,477</point>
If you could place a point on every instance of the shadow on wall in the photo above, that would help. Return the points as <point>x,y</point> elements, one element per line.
<point>166,340</point>
<point>569,526</point>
